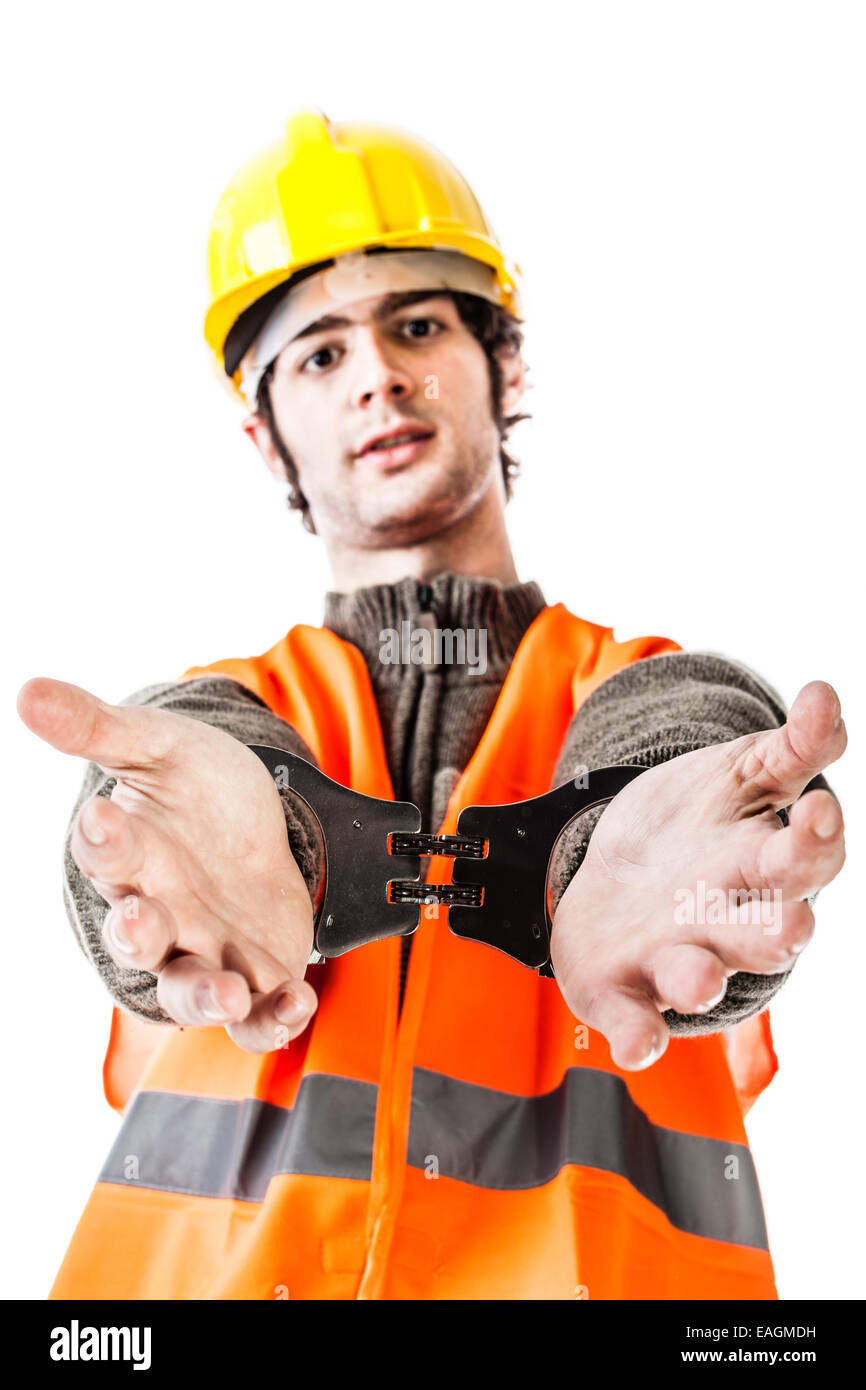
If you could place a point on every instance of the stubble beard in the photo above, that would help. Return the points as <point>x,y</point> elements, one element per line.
<point>407,507</point>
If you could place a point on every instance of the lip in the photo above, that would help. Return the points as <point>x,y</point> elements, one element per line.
<point>404,427</point>
<point>399,454</point>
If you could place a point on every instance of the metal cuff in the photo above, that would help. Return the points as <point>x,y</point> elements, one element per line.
<point>373,850</point>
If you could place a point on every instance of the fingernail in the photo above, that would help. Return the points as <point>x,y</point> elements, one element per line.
<point>825,823</point>
<point>120,939</point>
<point>90,827</point>
<point>654,1053</point>
<point>208,1005</point>
<point>705,1008</point>
<point>837,719</point>
<point>289,1008</point>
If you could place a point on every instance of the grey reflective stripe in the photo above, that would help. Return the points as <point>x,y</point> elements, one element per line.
<point>497,1140</point>
<point>231,1148</point>
<point>492,1139</point>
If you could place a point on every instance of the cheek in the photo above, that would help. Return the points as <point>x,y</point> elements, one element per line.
<point>463,390</point>
<point>310,436</point>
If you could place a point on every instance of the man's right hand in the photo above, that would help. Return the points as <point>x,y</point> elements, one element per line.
<point>191,852</point>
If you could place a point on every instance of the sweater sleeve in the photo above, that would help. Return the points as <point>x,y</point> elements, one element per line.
<point>648,713</point>
<point>226,705</point>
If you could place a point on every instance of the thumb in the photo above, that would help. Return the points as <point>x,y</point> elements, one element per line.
<point>75,721</point>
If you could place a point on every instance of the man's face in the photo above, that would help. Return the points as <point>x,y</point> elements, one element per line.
<point>375,366</point>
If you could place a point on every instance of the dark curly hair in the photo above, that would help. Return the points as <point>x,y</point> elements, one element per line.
<point>491,325</point>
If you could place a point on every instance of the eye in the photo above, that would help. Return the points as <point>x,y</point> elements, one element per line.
<point>312,358</point>
<point>427,319</point>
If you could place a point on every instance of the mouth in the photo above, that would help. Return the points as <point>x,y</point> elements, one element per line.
<point>396,449</point>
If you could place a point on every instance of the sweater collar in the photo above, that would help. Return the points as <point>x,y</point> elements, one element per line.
<point>504,612</point>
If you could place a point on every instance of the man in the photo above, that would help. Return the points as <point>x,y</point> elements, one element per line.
<point>435,1119</point>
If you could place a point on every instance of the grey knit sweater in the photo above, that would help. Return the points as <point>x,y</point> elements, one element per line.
<point>432,718</point>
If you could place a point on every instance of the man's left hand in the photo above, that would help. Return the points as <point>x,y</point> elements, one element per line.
<point>620,949</point>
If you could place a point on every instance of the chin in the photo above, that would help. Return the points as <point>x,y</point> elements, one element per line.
<point>423,507</point>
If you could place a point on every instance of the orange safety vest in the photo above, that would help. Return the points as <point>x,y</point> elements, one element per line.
<point>480,1143</point>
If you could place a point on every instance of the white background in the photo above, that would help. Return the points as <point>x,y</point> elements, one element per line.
<point>682,185</point>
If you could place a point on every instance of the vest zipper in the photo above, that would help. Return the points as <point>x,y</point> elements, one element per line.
<point>373,1275</point>
<point>426,604</point>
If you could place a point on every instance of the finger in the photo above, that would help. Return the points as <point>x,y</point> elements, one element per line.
<point>108,845</point>
<point>762,937</point>
<point>774,767</point>
<point>807,853</point>
<point>632,1025</point>
<point>139,933</point>
<point>276,1018</point>
<point>192,992</point>
<point>689,979</point>
<point>117,737</point>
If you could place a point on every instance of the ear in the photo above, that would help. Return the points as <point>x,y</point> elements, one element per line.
<point>513,378</point>
<point>257,429</point>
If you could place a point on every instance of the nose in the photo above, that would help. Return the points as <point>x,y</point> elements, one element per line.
<point>379,371</point>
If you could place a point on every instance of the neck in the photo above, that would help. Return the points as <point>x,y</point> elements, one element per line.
<point>475,545</point>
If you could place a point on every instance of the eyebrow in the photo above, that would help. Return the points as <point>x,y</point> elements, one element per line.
<point>390,304</point>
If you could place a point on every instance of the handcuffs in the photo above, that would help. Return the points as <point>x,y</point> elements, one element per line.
<point>373,851</point>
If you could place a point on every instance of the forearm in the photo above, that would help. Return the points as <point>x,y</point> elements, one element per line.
<point>648,713</point>
<point>235,710</point>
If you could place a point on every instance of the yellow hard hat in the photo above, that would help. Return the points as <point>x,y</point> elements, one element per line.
<point>325,190</point>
